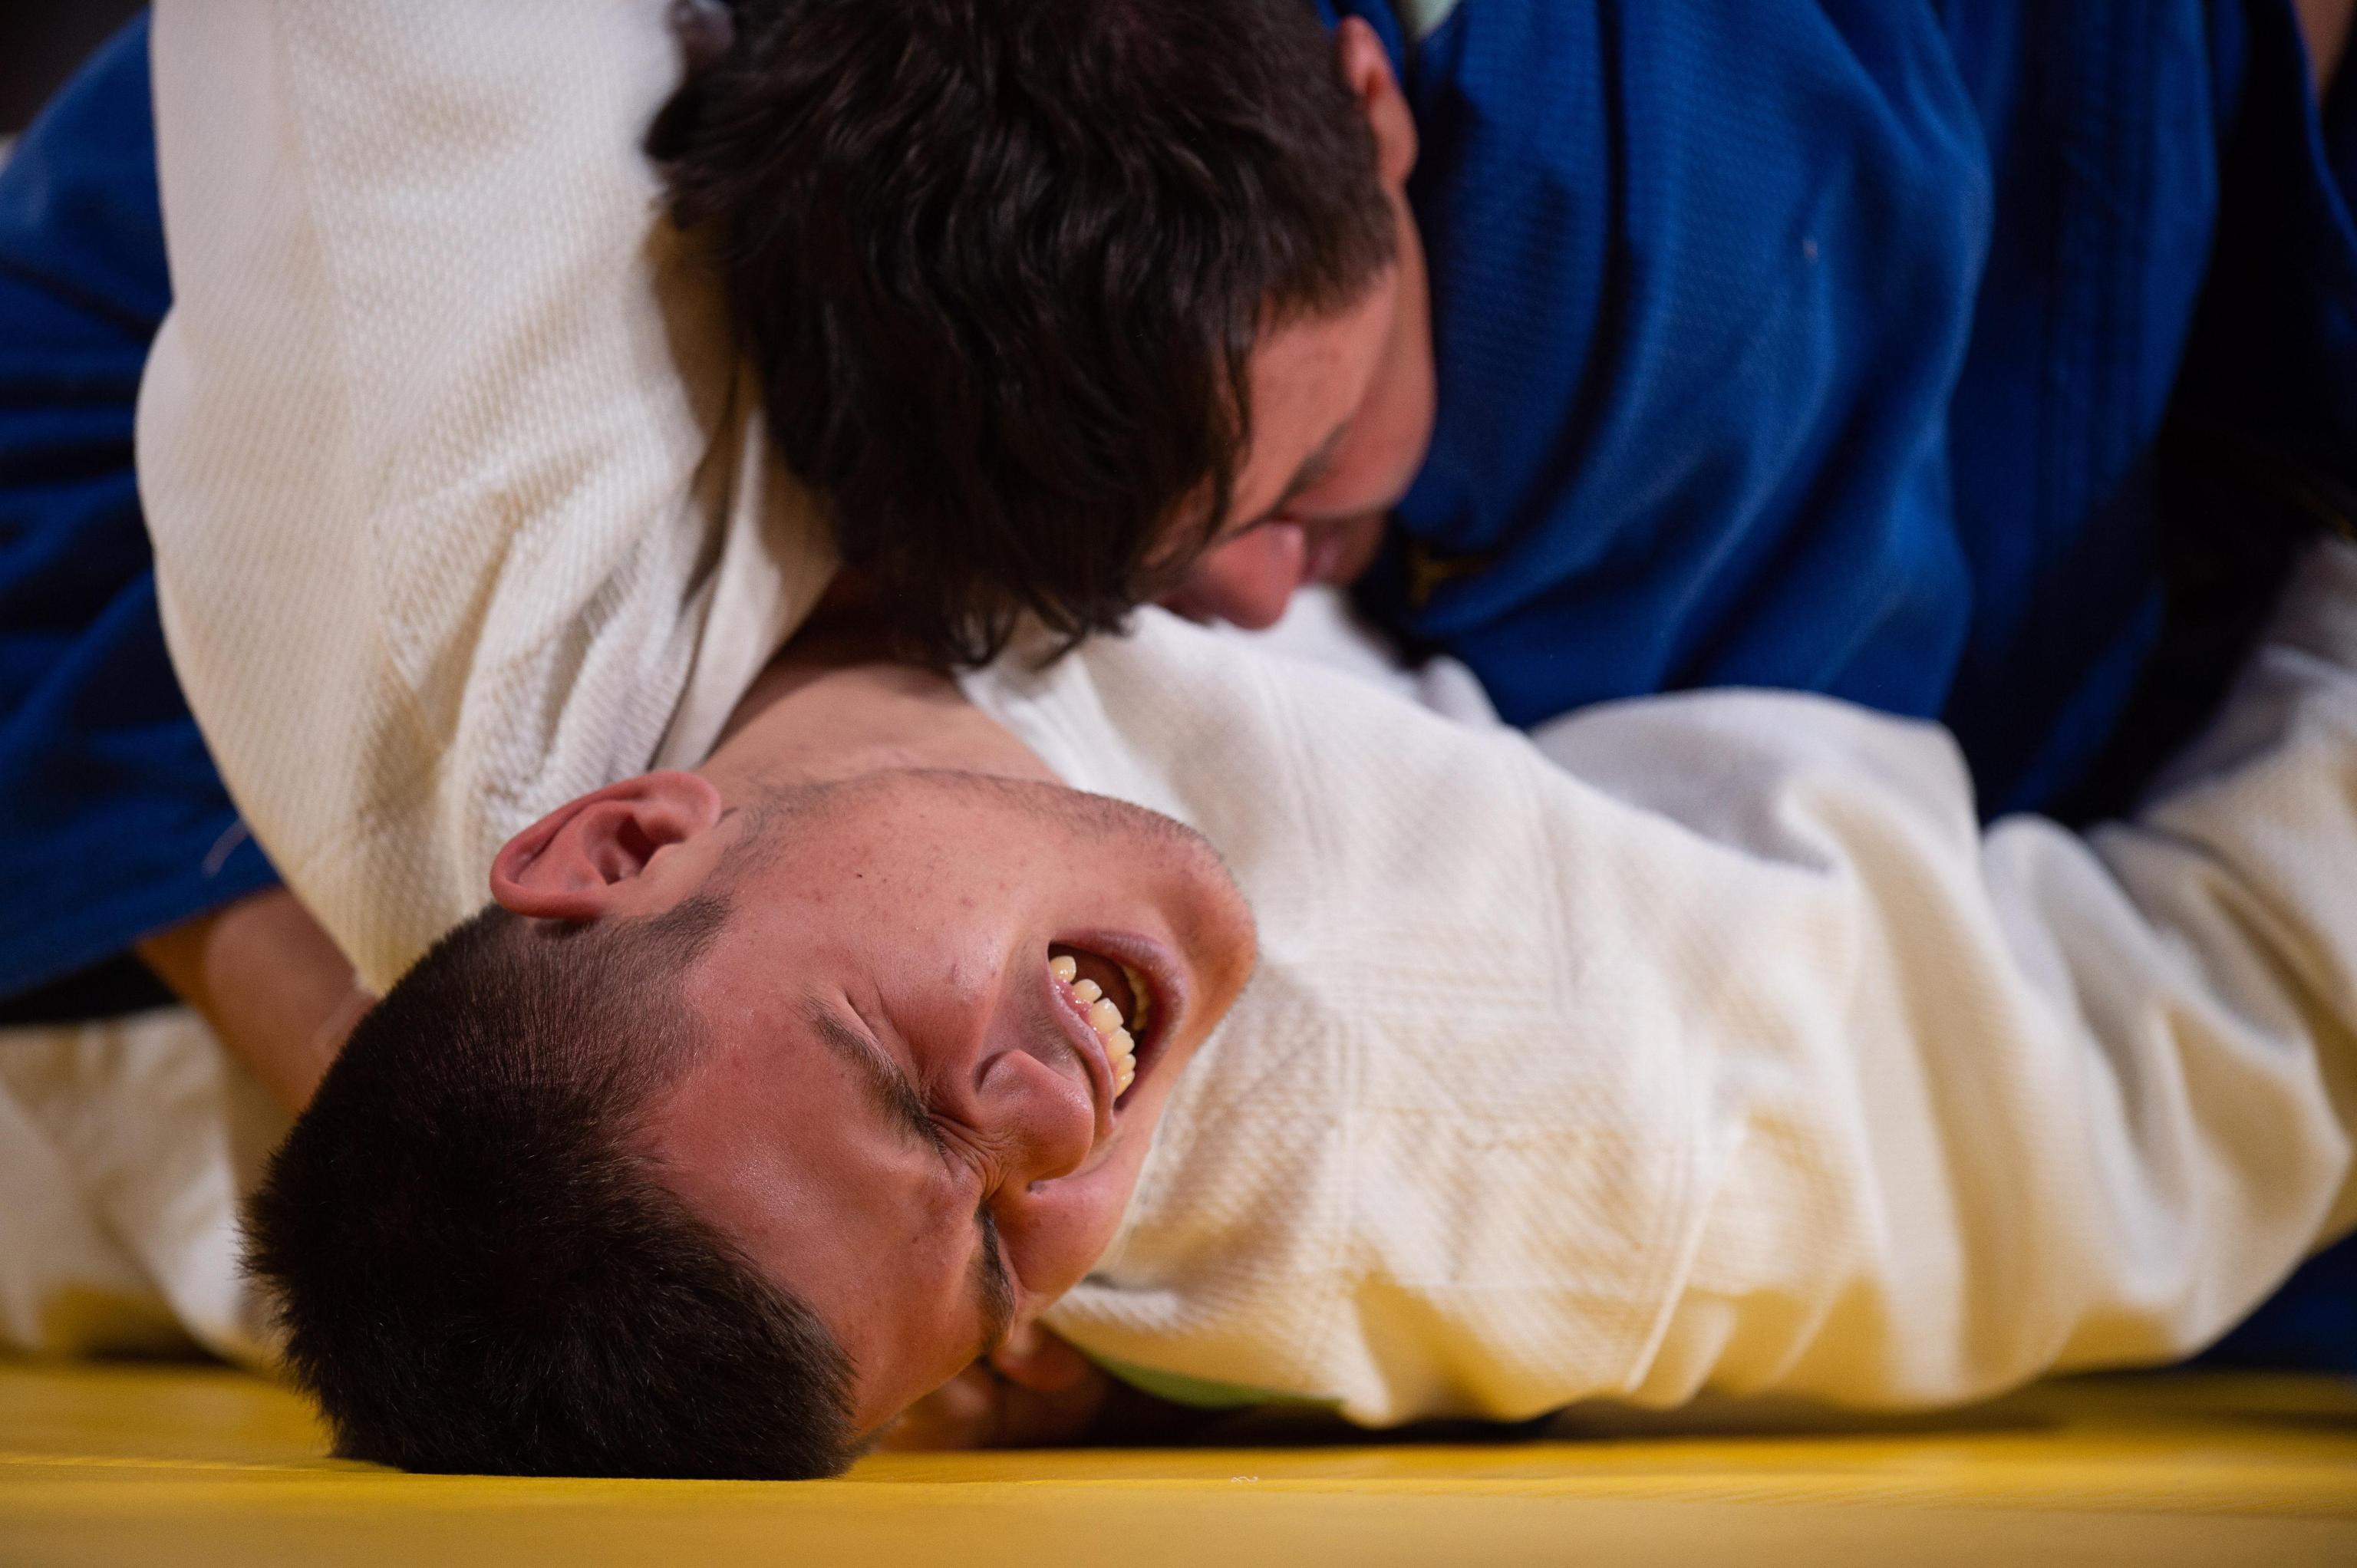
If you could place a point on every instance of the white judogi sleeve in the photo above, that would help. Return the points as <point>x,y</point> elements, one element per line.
<point>1707,1041</point>
<point>459,510</point>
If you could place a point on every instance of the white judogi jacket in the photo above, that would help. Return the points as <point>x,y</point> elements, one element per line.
<point>1696,1041</point>
<point>1708,1041</point>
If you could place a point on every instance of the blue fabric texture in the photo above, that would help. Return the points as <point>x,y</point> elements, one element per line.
<point>112,821</point>
<point>2311,1324</point>
<point>1828,344</point>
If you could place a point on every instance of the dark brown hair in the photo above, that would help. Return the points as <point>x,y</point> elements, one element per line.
<point>477,1270</point>
<point>999,266</point>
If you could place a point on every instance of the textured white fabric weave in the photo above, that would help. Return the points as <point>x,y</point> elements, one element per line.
<point>1707,1041</point>
<point>125,1147</point>
<point>450,436</point>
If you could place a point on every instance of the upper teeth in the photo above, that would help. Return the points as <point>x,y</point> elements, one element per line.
<point>1141,997</point>
<point>1105,1017</point>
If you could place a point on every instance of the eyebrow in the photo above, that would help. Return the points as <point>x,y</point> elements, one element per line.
<point>901,1105</point>
<point>1313,469</point>
<point>888,1085</point>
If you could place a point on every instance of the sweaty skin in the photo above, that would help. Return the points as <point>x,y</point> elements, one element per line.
<point>907,1115</point>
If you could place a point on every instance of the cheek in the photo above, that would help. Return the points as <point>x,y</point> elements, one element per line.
<point>1404,432</point>
<point>1387,445</point>
<point>933,882</point>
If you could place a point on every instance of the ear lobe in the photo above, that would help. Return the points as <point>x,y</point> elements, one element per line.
<point>583,860</point>
<point>1367,71</point>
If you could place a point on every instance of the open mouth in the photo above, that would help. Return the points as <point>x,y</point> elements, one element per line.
<point>1115,1000</point>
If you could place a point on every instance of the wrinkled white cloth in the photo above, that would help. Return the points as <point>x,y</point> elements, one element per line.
<point>1698,1041</point>
<point>1707,1041</point>
<point>419,436</point>
<point>125,1147</point>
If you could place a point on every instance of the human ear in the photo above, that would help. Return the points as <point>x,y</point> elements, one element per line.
<point>1367,71</point>
<point>590,856</point>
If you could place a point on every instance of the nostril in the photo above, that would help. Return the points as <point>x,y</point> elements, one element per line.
<point>1041,1115</point>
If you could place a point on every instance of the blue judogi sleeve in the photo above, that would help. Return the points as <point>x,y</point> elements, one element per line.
<point>112,821</point>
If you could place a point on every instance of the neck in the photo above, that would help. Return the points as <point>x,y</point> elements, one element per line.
<point>834,705</point>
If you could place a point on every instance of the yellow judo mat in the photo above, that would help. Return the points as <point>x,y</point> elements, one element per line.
<point>199,1465</point>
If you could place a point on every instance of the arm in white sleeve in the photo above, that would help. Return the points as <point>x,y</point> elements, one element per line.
<point>1708,1041</point>
<point>458,504</point>
<point>2085,1101</point>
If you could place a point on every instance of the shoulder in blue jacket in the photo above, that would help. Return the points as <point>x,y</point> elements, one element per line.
<point>112,821</point>
<point>1829,344</point>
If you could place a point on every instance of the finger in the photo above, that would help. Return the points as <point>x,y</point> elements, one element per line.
<point>1031,1418</point>
<point>962,1413</point>
<point>1040,1361</point>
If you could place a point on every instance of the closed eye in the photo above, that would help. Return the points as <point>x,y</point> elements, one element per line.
<point>898,1099</point>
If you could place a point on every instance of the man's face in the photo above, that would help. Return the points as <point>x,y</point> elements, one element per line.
<point>908,1117</point>
<point>1342,404</point>
<point>1342,411</point>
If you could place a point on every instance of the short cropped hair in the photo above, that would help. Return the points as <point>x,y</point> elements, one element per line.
<point>999,266</point>
<point>475,1267</point>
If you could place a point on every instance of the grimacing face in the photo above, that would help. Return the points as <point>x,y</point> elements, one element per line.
<point>909,1115</point>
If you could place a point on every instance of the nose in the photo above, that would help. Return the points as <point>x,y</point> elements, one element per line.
<point>1053,1215</point>
<point>1040,1114</point>
<point>1249,580</point>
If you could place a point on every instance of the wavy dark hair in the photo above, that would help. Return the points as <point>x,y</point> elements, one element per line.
<point>999,266</point>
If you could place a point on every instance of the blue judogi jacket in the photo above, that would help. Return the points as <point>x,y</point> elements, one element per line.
<point>1830,346</point>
